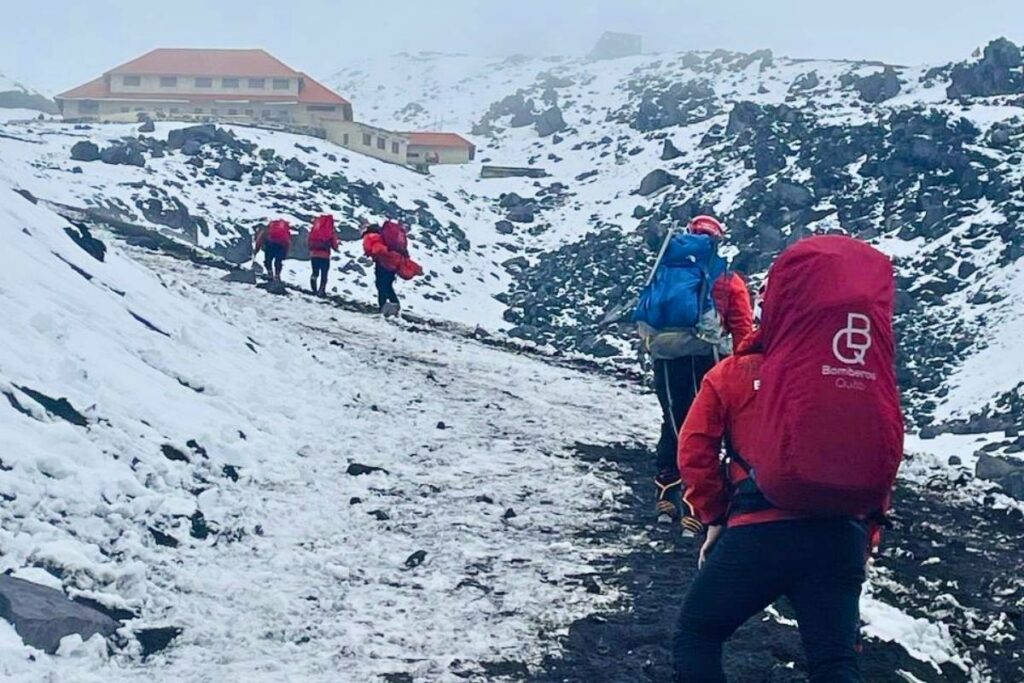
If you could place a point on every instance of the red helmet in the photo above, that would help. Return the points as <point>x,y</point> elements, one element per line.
<point>707,225</point>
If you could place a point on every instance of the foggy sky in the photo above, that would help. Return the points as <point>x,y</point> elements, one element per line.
<point>53,45</point>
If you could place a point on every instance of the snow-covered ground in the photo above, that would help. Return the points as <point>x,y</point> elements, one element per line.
<point>296,580</point>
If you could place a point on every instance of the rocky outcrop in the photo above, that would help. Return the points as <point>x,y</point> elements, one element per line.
<point>878,87</point>
<point>654,181</point>
<point>1007,474</point>
<point>679,104</point>
<point>998,72</point>
<point>85,151</point>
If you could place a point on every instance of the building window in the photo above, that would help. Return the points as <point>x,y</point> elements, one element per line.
<point>413,155</point>
<point>257,83</point>
<point>213,111</point>
<point>344,140</point>
<point>133,80</point>
<point>250,113</point>
<point>321,107</point>
<point>204,82</point>
<point>266,113</point>
<point>229,82</point>
<point>168,81</point>
<point>175,110</point>
<point>88,107</point>
<point>125,110</point>
<point>382,143</point>
<point>232,112</point>
<point>394,148</point>
<point>282,84</point>
<point>197,110</point>
<point>140,109</point>
<point>367,139</point>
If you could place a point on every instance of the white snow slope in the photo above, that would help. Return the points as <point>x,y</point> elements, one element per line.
<point>297,580</point>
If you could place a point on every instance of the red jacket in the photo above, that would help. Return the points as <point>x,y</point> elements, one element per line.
<point>724,407</point>
<point>732,301</point>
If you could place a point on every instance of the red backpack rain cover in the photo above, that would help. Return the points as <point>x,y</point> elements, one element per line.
<point>322,234</point>
<point>395,236</point>
<point>832,435</point>
<point>278,232</point>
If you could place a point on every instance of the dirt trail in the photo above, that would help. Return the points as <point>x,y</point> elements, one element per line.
<point>633,644</point>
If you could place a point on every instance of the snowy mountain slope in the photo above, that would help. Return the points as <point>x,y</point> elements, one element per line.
<point>200,475</point>
<point>14,95</point>
<point>923,161</point>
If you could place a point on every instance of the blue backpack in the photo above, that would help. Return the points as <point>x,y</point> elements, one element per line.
<point>676,305</point>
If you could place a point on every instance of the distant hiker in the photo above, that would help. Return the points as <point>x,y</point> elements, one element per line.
<point>691,313</point>
<point>388,246</point>
<point>274,240</point>
<point>808,412</point>
<point>323,239</point>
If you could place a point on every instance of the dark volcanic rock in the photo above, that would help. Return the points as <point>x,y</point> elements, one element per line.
<point>524,213</point>
<point>504,227</point>
<point>669,151</point>
<point>244,276</point>
<point>679,104</point>
<point>879,87</point>
<point>1009,475</point>
<point>85,151</point>
<point>654,181</point>
<point>201,135</point>
<point>229,169</point>
<point>296,170</point>
<point>42,615</point>
<point>550,122</point>
<point>997,73</point>
<point>147,127</point>
<point>805,82</point>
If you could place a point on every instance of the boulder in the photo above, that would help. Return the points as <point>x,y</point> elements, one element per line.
<point>85,151</point>
<point>805,82</point>
<point>1008,474</point>
<point>192,148</point>
<point>43,615</point>
<point>878,87</point>
<point>654,181</point>
<point>510,199</point>
<point>135,158</point>
<point>521,214</point>
<point>669,151</point>
<point>244,276</point>
<point>201,134</point>
<point>147,127</point>
<point>998,72</point>
<point>229,169</point>
<point>115,155</point>
<point>550,122</point>
<point>504,227</point>
<point>296,170</point>
<point>743,116</point>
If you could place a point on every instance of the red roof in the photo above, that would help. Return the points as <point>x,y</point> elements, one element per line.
<point>424,139</point>
<point>199,62</point>
<point>312,92</point>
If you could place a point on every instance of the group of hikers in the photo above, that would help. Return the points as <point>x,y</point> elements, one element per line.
<point>387,245</point>
<point>779,443</point>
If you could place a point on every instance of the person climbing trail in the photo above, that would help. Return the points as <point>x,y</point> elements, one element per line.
<point>275,241</point>
<point>388,246</point>
<point>691,313</point>
<point>808,412</point>
<point>322,240</point>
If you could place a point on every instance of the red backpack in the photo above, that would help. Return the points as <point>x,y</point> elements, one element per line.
<point>279,232</point>
<point>395,236</point>
<point>832,436</point>
<point>322,234</point>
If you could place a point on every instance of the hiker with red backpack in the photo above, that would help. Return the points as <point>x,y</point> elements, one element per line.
<point>808,413</point>
<point>388,246</point>
<point>274,240</point>
<point>691,313</point>
<point>323,239</point>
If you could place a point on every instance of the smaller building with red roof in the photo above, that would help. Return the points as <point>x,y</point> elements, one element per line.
<point>426,149</point>
<point>244,85</point>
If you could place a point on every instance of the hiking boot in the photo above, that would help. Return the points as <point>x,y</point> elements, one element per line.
<point>389,309</point>
<point>670,497</point>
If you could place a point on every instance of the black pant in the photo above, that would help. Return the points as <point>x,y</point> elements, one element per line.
<point>818,564</point>
<point>273,259</point>
<point>676,382</point>
<point>320,268</point>
<point>385,281</point>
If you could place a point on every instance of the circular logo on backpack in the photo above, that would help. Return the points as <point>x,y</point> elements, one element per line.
<point>850,344</point>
